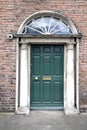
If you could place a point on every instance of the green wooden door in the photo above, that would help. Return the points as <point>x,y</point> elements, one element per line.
<point>47,77</point>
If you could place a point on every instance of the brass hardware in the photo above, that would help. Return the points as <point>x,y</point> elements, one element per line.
<point>36,78</point>
<point>46,77</point>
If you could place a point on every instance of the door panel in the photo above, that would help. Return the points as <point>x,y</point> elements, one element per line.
<point>36,92</point>
<point>36,66</point>
<point>46,76</point>
<point>57,65</point>
<point>57,91</point>
<point>46,64</point>
<point>46,92</point>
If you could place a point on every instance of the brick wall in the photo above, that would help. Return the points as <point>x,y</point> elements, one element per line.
<point>12,14</point>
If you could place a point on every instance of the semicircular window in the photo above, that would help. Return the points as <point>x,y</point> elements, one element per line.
<point>46,25</point>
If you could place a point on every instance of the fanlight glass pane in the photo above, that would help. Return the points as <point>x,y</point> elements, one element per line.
<point>46,25</point>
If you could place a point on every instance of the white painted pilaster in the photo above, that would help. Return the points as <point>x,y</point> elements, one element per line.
<point>77,74</point>
<point>70,83</point>
<point>23,100</point>
<point>17,74</point>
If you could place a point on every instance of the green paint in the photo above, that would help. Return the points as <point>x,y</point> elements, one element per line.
<point>47,76</point>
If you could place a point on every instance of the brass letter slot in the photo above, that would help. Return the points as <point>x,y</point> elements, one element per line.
<point>46,77</point>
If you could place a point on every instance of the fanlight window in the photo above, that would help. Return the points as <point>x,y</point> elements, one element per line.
<point>46,25</point>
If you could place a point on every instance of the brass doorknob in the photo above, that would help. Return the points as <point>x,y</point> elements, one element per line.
<point>36,78</point>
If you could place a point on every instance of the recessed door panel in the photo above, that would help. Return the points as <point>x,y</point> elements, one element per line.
<point>46,64</point>
<point>36,66</point>
<point>46,91</point>
<point>57,65</point>
<point>36,92</point>
<point>57,91</point>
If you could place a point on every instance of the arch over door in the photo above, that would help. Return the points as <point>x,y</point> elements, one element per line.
<point>47,23</point>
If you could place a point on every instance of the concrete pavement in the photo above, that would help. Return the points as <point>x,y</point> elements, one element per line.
<point>43,120</point>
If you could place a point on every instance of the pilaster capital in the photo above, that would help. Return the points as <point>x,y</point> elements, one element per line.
<point>70,47</point>
<point>23,46</point>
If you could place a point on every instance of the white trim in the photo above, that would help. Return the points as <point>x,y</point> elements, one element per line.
<point>65,85</point>
<point>26,108</point>
<point>22,106</point>
<point>48,13</point>
<point>70,82</point>
<point>70,79</point>
<point>17,73</point>
<point>77,74</point>
<point>23,76</point>
<point>29,72</point>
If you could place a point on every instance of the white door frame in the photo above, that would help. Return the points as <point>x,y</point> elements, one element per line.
<point>23,72</point>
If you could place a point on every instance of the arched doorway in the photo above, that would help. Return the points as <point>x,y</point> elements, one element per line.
<point>47,63</point>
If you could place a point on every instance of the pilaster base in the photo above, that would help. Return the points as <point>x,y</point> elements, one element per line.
<point>71,111</point>
<point>23,111</point>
